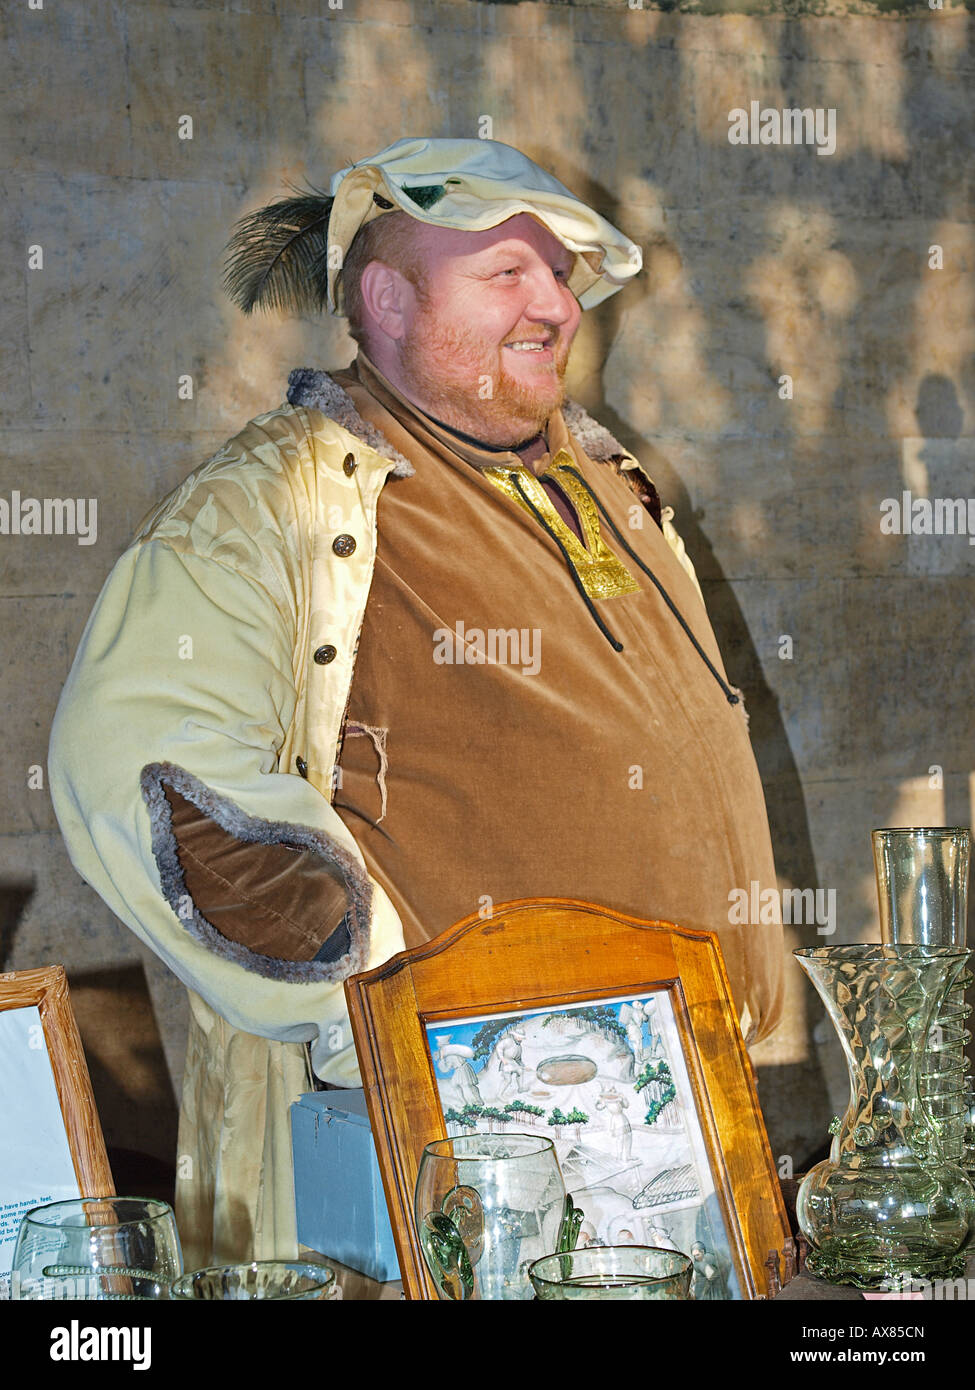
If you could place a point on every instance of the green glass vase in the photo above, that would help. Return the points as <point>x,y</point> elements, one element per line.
<point>887,1204</point>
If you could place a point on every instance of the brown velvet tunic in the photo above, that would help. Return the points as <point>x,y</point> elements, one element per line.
<point>624,778</point>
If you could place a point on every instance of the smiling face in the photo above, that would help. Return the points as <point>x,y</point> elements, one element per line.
<point>482,342</point>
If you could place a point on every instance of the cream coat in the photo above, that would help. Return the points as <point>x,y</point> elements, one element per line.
<point>197,668</point>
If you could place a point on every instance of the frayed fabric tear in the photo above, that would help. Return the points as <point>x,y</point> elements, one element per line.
<point>378,736</point>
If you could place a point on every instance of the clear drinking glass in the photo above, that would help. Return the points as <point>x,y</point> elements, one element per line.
<point>106,1248</point>
<point>922,884</point>
<point>299,1281</point>
<point>922,890</point>
<point>621,1273</point>
<point>486,1206</point>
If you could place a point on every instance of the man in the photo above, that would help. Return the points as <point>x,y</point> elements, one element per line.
<point>619,1126</point>
<point>419,641</point>
<point>710,1280</point>
<point>511,1065</point>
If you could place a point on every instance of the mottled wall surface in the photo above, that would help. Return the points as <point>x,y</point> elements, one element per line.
<point>800,348</point>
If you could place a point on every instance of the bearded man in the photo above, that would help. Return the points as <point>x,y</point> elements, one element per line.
<point>326,741</point>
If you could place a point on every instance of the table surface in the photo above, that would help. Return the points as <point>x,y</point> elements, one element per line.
<point>807,1287</point>
<point>803,1288</point>
<point>352,1285</point>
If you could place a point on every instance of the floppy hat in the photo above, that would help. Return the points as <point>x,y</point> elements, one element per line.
<point>471,185</point>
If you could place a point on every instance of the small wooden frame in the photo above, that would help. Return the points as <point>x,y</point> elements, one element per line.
<point>46,989</point>
<point>543,956</point>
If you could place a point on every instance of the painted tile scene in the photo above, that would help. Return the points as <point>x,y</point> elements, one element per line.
<point>607,1082</point>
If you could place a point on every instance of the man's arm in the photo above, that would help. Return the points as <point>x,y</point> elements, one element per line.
<point>176,708</point>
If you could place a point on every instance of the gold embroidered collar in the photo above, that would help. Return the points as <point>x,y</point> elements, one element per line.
<point>601,573</point>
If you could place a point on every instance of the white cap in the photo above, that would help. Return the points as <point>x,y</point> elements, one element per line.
<point>471,185</point>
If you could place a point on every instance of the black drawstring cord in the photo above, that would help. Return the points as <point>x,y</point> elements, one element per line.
<point>617,646</point>
<point>729,694</point>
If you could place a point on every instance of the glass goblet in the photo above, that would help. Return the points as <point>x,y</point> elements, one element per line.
<point>102,1248</point>
<point>486,1206</point>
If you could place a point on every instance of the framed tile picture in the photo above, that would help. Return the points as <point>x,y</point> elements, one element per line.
<point>51,1144</point>
<point>607,1081</point>
<point>615,1038</point>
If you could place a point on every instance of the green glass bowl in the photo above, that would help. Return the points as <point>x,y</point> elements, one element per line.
<point>622,1273</point>
<point>277,1279</point>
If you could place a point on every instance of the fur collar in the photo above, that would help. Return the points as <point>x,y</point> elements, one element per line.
<point>596,440</point>
<point>308,387</point>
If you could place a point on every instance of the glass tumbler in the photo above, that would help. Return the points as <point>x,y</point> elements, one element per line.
<point>97,1248</point>
<point>922,891</point>
<point>486,1206</point>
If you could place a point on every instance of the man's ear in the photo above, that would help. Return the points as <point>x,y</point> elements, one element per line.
<point>387,299</point>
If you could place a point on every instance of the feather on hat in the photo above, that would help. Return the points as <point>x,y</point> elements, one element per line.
<point>288,255</point>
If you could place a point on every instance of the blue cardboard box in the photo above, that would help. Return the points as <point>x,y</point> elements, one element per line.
<point>339,1198</point>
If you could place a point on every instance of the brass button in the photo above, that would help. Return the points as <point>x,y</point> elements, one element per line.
<point>325,654</point>
<point>349,465</point>
<point>344,545</point>
<point>302,766</point>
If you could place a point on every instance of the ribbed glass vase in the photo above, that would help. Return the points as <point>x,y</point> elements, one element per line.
<point>886,1204</point>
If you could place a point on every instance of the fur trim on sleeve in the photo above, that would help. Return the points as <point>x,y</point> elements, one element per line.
<point>252,830</point>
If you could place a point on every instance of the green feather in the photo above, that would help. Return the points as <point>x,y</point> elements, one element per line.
<point>425,195</point>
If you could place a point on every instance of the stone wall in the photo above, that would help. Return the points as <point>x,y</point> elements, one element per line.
<point>800,348</point>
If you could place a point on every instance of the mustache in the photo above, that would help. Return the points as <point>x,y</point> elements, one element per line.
<point>549,333</point>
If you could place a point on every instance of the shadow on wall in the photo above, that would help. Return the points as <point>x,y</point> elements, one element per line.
<point>132,1089</point>
<point>14,897</point>
<point>885,620</point>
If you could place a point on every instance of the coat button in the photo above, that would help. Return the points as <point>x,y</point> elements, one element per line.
<point>302,766</point>
<point>343,545</point>
<point>325,654</point>
<point>349,465</point>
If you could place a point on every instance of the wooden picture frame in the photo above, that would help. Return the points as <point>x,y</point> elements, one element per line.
<point>46,989</point>
<point>542,955</point>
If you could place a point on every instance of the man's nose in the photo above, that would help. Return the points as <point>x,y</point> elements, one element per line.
<point>549,298</point>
